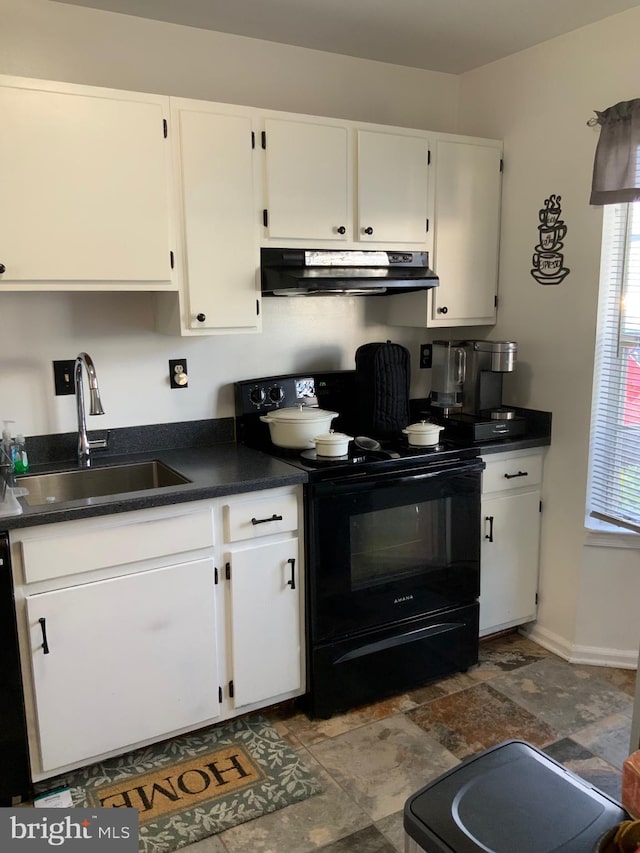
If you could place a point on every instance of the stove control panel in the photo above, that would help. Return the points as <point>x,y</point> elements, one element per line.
<point>265,395</point>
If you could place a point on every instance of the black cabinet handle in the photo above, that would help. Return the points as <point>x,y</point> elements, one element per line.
<point>443,310</point>
<point>519,474</point>
<point>489,535</point>
<point>292,582</point>
<point>43,626</point>
<point>2,268</point>
<point>201,318</point>
<point>341,230</point>
<point>274,517</point>
<point>368,230</point>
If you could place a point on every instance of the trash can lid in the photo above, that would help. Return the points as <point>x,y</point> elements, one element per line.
<point>509,798</point>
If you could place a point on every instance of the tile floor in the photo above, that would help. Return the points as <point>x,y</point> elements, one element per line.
<point>372,759</point>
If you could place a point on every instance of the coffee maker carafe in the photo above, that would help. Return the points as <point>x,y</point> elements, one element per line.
<point>448,369</point>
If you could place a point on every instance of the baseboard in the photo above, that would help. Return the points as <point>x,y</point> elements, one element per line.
<point>591,655</point>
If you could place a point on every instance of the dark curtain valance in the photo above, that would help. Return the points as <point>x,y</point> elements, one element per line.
<point>616,169</point>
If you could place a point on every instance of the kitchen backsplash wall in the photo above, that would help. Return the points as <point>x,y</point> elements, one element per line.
<point>131,358</point>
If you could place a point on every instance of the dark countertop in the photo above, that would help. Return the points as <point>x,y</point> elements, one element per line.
<point>222,469</point>
<point>204,452</point>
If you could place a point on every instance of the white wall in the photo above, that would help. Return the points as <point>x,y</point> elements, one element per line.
<point>539,102</point>
<point>53,41</point>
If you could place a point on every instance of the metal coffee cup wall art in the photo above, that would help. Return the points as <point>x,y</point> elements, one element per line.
<point>548,260</point>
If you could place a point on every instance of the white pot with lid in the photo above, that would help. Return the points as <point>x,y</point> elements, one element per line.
<point>296,428</point>
<point>423,434</point>
<point>332,444</point>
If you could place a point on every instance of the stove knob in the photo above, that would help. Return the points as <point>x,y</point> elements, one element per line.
<point>257,396</point>
<point>276,394</point>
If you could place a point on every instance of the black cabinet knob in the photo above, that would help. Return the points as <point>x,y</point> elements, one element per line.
<point>2,268</point>
<point>368,230</point>
<point>341,230</point>
<point>201,318</point>
<point>443,310</point>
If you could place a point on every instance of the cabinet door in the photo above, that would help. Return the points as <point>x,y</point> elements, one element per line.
<point>219,222</point>
<point>306,180</point>
<point>509,560</point>
<point>84,185</point>
<point>129,659</point>
<point>266,644</point>
<point>467,223</point>
<point>392,188</point>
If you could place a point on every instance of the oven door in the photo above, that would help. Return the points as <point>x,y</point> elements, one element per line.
<point>385,548</point>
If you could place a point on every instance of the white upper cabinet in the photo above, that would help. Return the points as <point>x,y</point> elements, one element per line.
<point>85,186</point>
<point>306,181</point>
<point>466,237</point>
<point>219,258</point>
<point>392,188</point>
<point>113,190</point>
<point>466,187</point>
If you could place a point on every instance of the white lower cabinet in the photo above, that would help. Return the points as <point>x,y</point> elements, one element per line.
<point>265,603</point>
<point>128,636</point>
<point>510,538</point>
<point>127,659</point>
<point>265,586</point>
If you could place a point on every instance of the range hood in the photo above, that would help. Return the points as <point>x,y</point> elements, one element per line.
<point>343,272</point>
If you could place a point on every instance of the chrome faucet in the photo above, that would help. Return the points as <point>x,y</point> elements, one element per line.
<point>84,444</point>
<point>7,477</point>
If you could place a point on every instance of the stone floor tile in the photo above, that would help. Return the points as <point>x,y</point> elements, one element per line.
<point>504,654</point>
<point>623,679</point>
<point>382,764</point>
<point>212,844</point>
<point>392,827</point>
<point>301,827</point>
<point>443,687</point>
<point>475,719</point>
<point>368,840</point>
<point>310,732</point>
<point>608,738</point>
<point>583,763</point>
<point>560,696</point>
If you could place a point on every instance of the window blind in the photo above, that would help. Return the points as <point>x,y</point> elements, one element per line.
<point>614,476</point>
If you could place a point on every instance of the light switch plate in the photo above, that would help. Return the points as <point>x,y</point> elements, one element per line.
<point>63,377</point>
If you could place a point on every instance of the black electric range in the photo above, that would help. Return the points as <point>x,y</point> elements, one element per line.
<point>333,391</point>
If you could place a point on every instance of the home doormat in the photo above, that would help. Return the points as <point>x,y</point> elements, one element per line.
<point>196,785</point>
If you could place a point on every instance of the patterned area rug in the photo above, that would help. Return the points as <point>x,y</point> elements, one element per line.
<point>197,785</point>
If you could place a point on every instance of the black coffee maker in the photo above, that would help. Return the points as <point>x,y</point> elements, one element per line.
<point>466,388</point>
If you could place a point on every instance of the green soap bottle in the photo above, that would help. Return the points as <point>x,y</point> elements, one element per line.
<point>20,458</point>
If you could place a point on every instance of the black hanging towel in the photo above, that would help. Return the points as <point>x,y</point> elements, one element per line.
<point>383,376</point>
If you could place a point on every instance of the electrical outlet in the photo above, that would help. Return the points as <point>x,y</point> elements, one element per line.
<point>425,355</point>
<point>63,377</point>
<point>178,377</point>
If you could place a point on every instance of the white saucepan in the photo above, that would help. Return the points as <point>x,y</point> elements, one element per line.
<point>332,444</point>
<point>297,427</point>
<point>423,434</point>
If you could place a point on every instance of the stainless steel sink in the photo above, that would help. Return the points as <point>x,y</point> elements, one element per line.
<point>86,483</point>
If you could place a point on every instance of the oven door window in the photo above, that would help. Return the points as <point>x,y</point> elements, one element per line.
<point>382,553</point>
<point>392,545</point>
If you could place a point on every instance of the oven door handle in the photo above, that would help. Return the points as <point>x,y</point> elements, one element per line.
<point>407,475</point>
<point>401,640</point>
